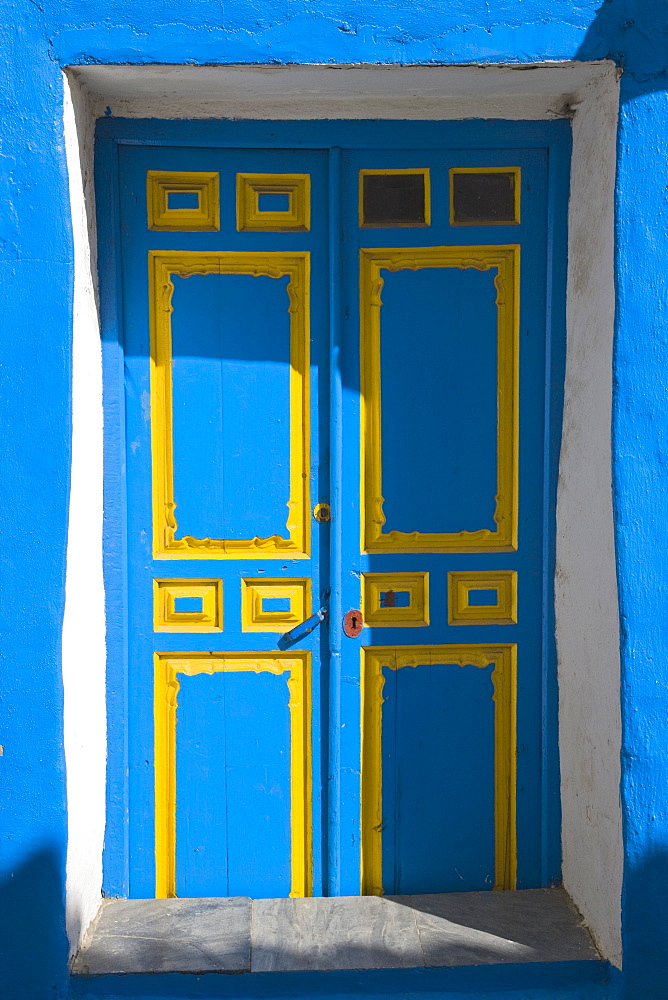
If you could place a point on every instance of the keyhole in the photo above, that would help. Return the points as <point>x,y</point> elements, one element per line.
<point>354,622</point>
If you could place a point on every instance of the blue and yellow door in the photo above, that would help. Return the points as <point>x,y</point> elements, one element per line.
<point>340,462</point>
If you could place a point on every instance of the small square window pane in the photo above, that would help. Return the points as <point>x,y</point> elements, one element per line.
<point>182,199</point>
<point>273,201</point>
<point>483,598</point>
<point>394,199</point>
<point>395,599</point>
<point>272,605</point>
<point>481,198</point>
<point>188,605</point>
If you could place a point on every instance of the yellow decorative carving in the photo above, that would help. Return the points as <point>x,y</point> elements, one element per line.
<point>161,183</point>
<point>375,584</point>
<point>162,266</point>
<point>503,656</point>
<point>396,225</point>
<point>517,191</point>
<point>502,606</point>
<point>167,668</point>
<point>297,216</point>
<point>167,619</point>
<point>505,261</point>
<point>254,618</point>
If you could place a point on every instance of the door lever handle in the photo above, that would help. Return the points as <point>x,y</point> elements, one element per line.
<point>302,630</point>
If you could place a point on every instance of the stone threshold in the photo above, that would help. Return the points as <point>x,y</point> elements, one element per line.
<point>240,935</point>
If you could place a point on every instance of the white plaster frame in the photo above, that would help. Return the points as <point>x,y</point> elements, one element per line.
<point>587,620</point>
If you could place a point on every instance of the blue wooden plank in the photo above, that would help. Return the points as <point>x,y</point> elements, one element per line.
<point>391,765</point>
<point>294,135</point>
<point>201,787</point>
<point>233,785</point>
<point>439,806</point>
<point>116,857</point>
<point>258,777</point>
<point>332,431</point>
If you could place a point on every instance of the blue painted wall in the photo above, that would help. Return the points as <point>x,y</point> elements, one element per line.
<point>640,438</point>
<point>41,36</point>
<point>35,297</point>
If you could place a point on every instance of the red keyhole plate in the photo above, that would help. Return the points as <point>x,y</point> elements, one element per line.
<point>352,623</point>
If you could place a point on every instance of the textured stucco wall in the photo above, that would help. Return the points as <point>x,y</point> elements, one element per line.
<point>586,606</point>
<point>38,39</point>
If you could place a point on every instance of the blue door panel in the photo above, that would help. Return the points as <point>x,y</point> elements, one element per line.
<point>231,400</point>
<point>438,779</point>
<point>274,762</point>
<point>233,785</point>
<point>438,385</point>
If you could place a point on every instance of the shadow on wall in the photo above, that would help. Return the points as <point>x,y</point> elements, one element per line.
<point>634,34</point>
<point>645,974</point>
<point>33,944</point>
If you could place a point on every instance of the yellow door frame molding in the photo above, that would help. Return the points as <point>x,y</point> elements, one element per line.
<point>162,266</point>
<point>505,260</point>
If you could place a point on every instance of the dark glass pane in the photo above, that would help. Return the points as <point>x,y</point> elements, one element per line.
<point>393,200</point>
<point>479,199</point>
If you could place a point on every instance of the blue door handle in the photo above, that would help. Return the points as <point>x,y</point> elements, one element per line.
<point>302,630</point>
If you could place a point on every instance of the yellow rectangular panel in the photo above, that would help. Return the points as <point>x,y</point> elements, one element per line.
<point>501,609</point>
<point>379,598</point>
<point>255,617</point>
<point>167,667</point>
<point>162,266</point>
<point>251,217</point>
<point>505,261</point>
<point>205,217</point>
<point>503,656</point>
<point>168,618</point>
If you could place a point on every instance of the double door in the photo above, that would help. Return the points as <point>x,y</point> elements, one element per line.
<point>339,527</point>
